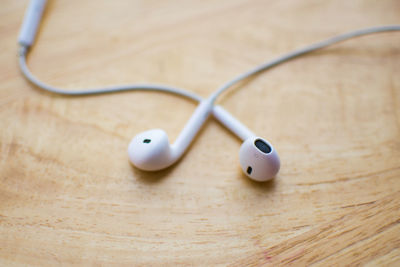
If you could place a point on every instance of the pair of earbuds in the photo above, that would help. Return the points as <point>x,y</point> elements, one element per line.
<point>152,151</point>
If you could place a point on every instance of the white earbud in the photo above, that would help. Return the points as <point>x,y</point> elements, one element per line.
<point>151,150</point>
<point>258,158</point>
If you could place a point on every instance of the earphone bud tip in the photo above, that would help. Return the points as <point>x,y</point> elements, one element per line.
<point>150,150</point>
<point>259,159</point>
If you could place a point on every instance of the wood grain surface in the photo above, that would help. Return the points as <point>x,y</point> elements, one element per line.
<point>69,196</point>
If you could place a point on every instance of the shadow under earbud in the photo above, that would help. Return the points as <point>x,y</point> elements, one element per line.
<point>265,187</point>
<point>153,177</point>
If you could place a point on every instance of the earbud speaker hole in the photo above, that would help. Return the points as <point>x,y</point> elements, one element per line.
<point>262,146</point>
<point>249,170</point>
<point>146,141</point>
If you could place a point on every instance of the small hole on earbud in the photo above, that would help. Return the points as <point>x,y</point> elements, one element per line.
<point>146,141</point>
<point>249,170</point>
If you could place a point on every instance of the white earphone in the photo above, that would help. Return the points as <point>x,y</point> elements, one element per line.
<point>258,158</point>
<point>151,150</point>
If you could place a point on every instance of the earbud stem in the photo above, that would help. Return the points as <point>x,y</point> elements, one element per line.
<point>192,127</point>
<point>232,123</point>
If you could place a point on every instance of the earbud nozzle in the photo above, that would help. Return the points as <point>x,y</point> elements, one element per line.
<point>258,159</point>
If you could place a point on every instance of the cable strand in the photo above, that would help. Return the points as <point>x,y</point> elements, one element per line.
<point>310,48</point>
<point>104,90</point>
<point>181,92</point>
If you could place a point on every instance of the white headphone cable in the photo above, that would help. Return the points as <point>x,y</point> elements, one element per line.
<point>162,88</point>
<point>302,51</point>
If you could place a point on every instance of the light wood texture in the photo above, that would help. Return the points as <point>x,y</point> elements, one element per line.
<point>68,194</point>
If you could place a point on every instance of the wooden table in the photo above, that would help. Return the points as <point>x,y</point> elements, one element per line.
<point>69,194</point>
